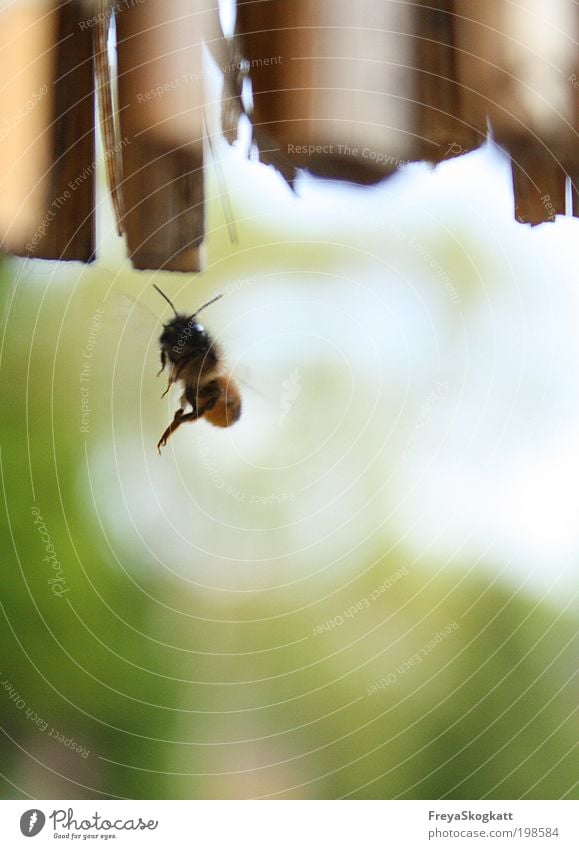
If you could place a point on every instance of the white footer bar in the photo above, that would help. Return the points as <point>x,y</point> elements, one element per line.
<point>291,824</point>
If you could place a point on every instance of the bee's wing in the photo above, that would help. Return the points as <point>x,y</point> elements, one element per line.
<point>138,330</point>
<point>127,311</point>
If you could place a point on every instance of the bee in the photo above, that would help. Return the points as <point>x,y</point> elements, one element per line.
<point>196,362</point>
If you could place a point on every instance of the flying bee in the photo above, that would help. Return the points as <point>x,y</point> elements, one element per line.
<point>195,361</point>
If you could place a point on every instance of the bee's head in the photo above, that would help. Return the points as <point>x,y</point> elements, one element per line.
<point>183,337</point>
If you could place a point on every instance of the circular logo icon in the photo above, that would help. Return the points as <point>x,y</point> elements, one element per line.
<point>32,822</point>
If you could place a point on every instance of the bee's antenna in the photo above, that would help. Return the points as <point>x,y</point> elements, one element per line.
<point>212,301</point>
<point>163,295</point>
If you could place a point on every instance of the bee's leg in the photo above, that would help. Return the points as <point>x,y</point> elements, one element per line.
<point>173,377</point>
<point>180,418</point>
<point>177,418</point>
<point>170,382</point>
<point>163,363</point>
<point>201,403</point>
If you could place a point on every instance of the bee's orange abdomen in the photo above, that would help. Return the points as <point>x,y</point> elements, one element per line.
<point>228,409</point>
